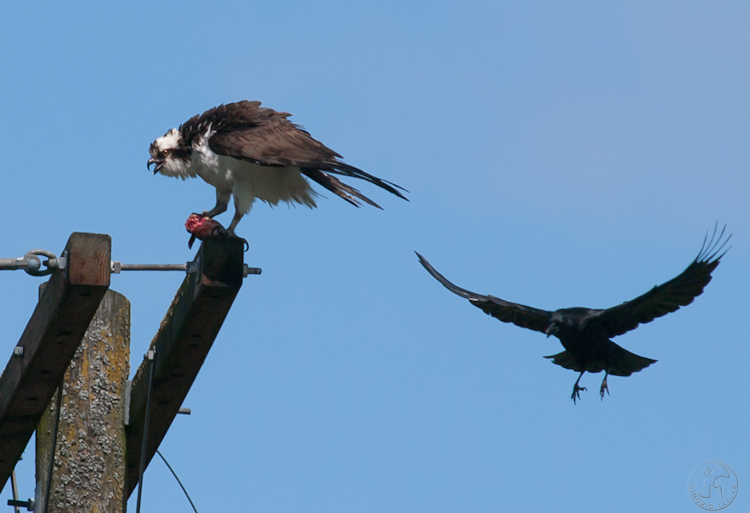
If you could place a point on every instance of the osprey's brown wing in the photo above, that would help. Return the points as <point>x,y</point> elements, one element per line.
<point>667,297</point>
<point>247,131</point>
<point>520,315</point>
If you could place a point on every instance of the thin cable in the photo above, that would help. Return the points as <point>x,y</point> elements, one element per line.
<point>151,356</point>
<point>178,480</point>
<point>52,452</point>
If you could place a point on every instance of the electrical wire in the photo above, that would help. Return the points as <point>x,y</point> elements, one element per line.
<point>178,480</point>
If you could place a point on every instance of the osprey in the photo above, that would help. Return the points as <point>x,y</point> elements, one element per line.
<point>251,152</point>
<point>585,332</point>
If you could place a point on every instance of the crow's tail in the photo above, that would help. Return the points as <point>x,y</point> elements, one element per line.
<point>609,357</point>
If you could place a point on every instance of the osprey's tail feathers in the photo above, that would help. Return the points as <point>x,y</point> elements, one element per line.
<point>337,187</point>
<point>339,168</point>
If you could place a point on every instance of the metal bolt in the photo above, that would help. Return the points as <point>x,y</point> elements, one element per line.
<point>246,271</point>
<point>18,352</point>
<point>29,504</point>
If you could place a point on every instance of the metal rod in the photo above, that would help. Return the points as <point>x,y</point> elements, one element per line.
<point>178,479</point>
<point>14,486</point>
<point>12,264</point>
<point>153,267</point>
<point>151,356</point>
<point>117,267</point>
<point>52,452</point>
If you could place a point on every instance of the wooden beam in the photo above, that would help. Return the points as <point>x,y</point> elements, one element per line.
<point>56,327</point>
<point>185,336</point>
<point>89,471</point>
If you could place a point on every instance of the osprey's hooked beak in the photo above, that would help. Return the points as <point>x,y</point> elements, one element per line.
<point>159,164</point>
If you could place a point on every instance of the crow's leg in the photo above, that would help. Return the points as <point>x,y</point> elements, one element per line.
<point>604,386</point>
<point>577,389</point>
<point>222,200</point>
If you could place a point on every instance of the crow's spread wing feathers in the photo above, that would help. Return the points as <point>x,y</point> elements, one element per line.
<point>667,297</point>
<point>520,315</point>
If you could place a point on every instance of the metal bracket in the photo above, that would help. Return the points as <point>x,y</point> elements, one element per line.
<point>128,387</point>
<point>32,264</point>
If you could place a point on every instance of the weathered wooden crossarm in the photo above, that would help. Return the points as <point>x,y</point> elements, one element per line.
<point>182,343</point>
<point>52,335</point>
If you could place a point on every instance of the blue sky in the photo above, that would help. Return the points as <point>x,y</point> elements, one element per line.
<point>557,154</point>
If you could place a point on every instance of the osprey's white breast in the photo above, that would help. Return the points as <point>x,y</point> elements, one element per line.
<point>248,181</point>
<point>213,168</point>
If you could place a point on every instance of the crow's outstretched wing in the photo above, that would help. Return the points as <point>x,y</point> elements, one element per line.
<point>520,315</point>
<point>667,297</point>
<point>247,131</point>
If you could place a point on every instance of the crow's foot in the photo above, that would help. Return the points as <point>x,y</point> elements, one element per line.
<point>604,387</point>
<point>576,392</point>
<point>576,389</point>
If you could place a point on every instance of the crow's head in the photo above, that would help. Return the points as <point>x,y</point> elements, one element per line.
<point>563,322</point>
<point>170,155</point>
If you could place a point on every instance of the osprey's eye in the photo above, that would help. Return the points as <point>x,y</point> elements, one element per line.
<point>165,153</point>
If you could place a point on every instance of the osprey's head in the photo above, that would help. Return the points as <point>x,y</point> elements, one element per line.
<point>169,154</point>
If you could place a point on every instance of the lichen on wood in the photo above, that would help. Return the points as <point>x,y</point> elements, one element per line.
<point>89,470</point>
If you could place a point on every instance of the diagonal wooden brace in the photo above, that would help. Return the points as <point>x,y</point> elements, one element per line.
<point>65,309</point>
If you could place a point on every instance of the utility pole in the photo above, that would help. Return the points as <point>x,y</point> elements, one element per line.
<point>89,462</point>
<point>96,434</point>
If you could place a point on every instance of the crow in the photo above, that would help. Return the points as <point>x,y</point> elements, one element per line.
<point>585,332</point>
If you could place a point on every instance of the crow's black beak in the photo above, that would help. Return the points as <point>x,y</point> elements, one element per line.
<point>159,164</point>
<point>551,330</point>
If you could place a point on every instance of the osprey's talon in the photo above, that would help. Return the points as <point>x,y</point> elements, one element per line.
<point>244,241</point>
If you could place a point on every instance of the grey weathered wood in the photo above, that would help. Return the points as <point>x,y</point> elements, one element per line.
<point>185,336</point>
<point>52,335</point>
<point>89,466</point>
